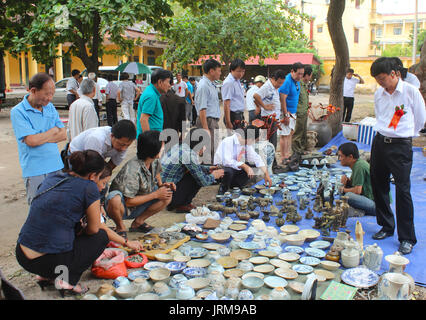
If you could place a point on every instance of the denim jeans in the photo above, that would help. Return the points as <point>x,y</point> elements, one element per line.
<point>361,202</point>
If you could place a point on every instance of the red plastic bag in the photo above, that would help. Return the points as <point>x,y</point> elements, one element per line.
<point>110,265</point>
<point>131,264</point>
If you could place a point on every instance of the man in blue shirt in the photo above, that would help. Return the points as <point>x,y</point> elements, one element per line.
<point>189,98</point>
<point>289,98</point>
<point>38,129</point>
<point>150,112</point>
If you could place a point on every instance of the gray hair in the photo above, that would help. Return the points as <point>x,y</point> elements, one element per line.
<point>91,75</point>
<point>87,86</point>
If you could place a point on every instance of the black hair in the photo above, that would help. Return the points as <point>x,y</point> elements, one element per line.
<point>278,74</point>
<point>124,129</point>
<point>382,65</point>
<point>349,148</point>
<point>107,172</point>
<point>211,64</point>
<point>190,138</point>
<point>38,80</point>
<point>191,79</point>
<point>399,66</point>
<point>237,63</point>
<point>160,74</point>
<point>124,76</point>
<point>149,144</point>
<point>249,132</point>
<point>296,66</point>
<point>350,70</point>
<point>308,70</point>
<point>184,77</point>
<point>86,162</point>
<point>75,72</point>
<point>110,77</point>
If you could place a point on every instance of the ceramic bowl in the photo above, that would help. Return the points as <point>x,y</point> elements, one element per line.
<point>289,256</point>
<point>221,236</point>
<point>268,253</point>
<point>147,296</point>
<point>286,273</point>
<point>159,274</point>
<point>289,228</point>
<point>330,265</point>
<point>278,263</point>
<point>185,292</point>
<point>302,268</point>
<point>175,266</point>
<point>198,263</point>
<point>194,272</point>
<point>198,283</point>
<point>89,296</point>
<point>177,280</point>
<point>127,291</point>
<point>264,268</point>
<point>120,281</point>
<point>240,254</point>
<point>182,258</point>
<point>295,239</point>
<point>260,187</point>
<point>163,257</point>
<point>253,283</point>
<point>162,289</point>
<point>310,261</point>
<point>324,273</point>
<point>154,265</point>
<point>253,274</point>
<point>259,260</point>
<point>233,273</point>
<point>214,266</point>
<point>248,191</point>
<point>296,286</point>
<point>275,282</point>
<point>245,265</point>
<point>227,262</point>
<point>143,285</point>
<point>143,274</point>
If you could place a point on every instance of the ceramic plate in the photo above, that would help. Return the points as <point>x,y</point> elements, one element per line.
<point>253,274</point>
<point>197,252</point>
<point>328,275</point>
<point>310,261</point>
<point>320,244</point>
<point>227,262</point>
<point>317,253</point>
<point>309,234</point>
<point>259,260</point>
<point>154,265</point>
<point>175,266</point>
<point>302,269</point>
<point>198,283</point>
<point>289,228</point>
<point>200,263</point>
<point>286,273</point>
<point>296,286</point>
<point>212,246</point>
<point>274,282</point>
<point>237,227</point>
<point>138,274</point>
<point>279,263</point>
<point>264,268</point>
<point>233,273</point>
<point>268,253</point>
<point>294,249</point>
<point>289,256</point>
<point>240,254</point>
<point>360,277</point>
<point>249,245</point>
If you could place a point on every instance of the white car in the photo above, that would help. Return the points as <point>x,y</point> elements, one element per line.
<point>60,96</point>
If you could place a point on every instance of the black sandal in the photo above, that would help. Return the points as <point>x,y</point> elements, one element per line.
<point>144,228</point>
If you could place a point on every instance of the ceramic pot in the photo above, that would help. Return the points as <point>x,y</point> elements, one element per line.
<point>323,130</point>
<point>373,256</point>
<point>397,263</point>
<point>393,286</point>
<point>350,257</point>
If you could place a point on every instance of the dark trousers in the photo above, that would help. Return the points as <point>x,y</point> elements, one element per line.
<point>71,98</point>
<point>111,111</point>
<point>186,189</point>
<point>235,116</point>
<point>348,105</point>
<point>194,115</point>
<point>234,178</point>
<point>96,104</point>
<point>299,140</point>
<point>394,158</point>
<point>86,249</point>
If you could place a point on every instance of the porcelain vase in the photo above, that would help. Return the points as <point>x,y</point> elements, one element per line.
<point>394,286</point>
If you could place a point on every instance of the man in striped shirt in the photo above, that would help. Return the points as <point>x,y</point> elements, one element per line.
<point>181,166</point>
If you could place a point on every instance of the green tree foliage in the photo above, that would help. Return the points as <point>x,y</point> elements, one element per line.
<point>397,50</point>
<point>86,23</point>
<point>237,29</point>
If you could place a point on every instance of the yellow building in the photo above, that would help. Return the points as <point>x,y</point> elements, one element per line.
<point>367,33</point>
<point>18,70</point>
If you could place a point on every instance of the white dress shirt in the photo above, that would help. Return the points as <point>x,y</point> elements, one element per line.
<point>349,86</point>
<point>82,116</point>
<point>412,79</point>
<point>410,123</point>
<point>233,91</point>
<point>228,152</point>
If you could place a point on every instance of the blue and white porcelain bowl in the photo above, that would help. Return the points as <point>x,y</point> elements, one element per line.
<point>144,274</point>
<point>194,272</point>
<point>120,281</point>
<point>175,266</point>
<point>245,295</point>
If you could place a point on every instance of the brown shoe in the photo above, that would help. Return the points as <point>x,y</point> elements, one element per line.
<point>184,208</point>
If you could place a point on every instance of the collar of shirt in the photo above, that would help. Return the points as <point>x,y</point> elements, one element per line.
<point>155,90</point>
<point>209,82</point>
<point>84,97</point>
<point>29,107</point>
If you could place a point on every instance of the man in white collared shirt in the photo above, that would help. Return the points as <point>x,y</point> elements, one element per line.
<point>237,156</point>
<point>82,114</point>
<point>391,151</point>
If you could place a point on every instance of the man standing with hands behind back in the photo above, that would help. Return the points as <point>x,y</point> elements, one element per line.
<point>400,112</point>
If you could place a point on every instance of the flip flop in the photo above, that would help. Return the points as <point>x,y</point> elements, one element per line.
<point>122,233</point>
<point>144,228</point>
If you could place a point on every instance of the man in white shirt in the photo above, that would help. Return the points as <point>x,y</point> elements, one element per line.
<point>82,113</point>
<point>97,99</point>
<point>400,113</point>
<point>237,156</point>
<point>181,89</point>
<point>72,87</point>
<point>349,85</point>
<point>404,74</point>
<point>250,105</point>
<point>127,92</point>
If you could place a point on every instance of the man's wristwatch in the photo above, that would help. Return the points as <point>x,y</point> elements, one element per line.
<point>287,115</point>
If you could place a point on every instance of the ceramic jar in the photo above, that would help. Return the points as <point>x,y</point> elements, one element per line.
<point>394,286</point>
<point>279,293</point>
<point>373,256</point>
<point>350,257</point>
<point>397,263</point>
<point>323,130</point>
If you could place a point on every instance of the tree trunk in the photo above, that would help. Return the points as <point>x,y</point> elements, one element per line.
<point>341,50</point>
<point>421,71</point>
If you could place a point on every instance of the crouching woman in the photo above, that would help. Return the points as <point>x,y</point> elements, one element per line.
<point>48,245</point>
